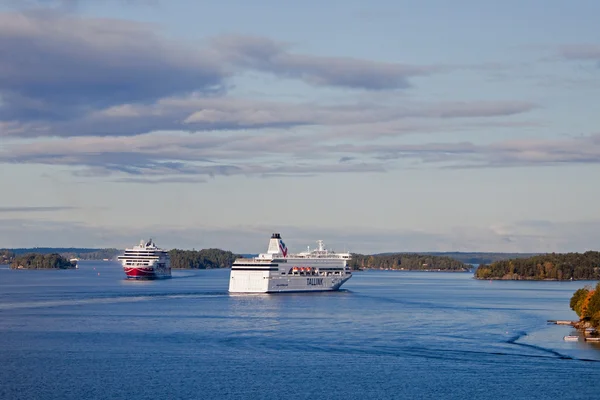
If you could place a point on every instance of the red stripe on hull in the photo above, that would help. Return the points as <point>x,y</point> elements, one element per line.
<point>146,273</point>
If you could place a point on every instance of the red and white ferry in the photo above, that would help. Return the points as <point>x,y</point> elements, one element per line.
<point>146,261</point>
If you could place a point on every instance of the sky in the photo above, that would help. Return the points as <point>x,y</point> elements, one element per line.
<point>375,126</point>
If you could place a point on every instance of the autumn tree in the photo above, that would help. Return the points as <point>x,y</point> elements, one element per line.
<point>578,298</point>
<point>592,310</point>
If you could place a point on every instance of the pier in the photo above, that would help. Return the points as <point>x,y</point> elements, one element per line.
<point>562,322</point>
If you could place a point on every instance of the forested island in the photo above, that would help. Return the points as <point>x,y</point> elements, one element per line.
<point>7,255</point>
<point>91,254</point>
<point>216,258</point>
<point>479,257</point>
<point>41,258</point>
<point>41,261</point>
<point>552,266</point>
<point>203,259</point>
<point>407,261</point>
<point>586,304</point>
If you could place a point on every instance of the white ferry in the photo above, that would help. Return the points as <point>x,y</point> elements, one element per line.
<point>277,271</point>
<point>146,261</point>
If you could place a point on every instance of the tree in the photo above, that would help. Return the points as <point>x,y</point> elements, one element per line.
<point>578,298</point>
<point>592,311</point>
<point>583,266</point>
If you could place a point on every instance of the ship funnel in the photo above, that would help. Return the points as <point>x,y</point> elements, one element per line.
<point>276,245</point>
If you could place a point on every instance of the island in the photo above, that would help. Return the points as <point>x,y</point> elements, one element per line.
<point>41,261</point>
<point>407,262</point>
<point>477,258</point>
<point>551,266</point>
<point>202,259</point>
<point>7,255</point>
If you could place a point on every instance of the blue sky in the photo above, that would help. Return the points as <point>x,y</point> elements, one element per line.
<point>375,126</point>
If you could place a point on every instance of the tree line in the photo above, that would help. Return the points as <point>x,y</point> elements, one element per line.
<point>202,259</point>
<point>586,304</point>
<point>100,254</point>
<point>478,258</point>
<point>406,261</point>
<point>7,255</point>
<point>552,266</point>
<point>41,261</point>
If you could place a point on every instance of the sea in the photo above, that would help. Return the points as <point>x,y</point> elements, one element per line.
<point>91,334</point>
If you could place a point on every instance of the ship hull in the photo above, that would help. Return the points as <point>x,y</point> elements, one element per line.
<point>146,273</point>
<point>253,282</point>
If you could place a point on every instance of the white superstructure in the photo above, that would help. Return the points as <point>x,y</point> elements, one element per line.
<point>146,261</point>
<point>277,271</point>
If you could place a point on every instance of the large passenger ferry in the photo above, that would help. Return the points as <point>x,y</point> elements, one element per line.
<point>277,271</point>
<point>146,261</point>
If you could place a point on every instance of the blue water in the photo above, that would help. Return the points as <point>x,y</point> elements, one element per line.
<point>90,334</point>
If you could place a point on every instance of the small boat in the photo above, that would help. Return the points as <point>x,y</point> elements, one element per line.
<point>571,338</point>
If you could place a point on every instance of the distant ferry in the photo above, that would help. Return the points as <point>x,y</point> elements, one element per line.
<point>277,271</point>
<point>146,261</point>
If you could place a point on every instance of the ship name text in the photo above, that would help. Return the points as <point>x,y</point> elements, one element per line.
<point>314,281</point>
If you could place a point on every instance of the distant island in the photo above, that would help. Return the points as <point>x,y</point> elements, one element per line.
<point>202,259</point>
<point>552,266</point>
<point>477,258</point>
<point>7,255</point>
<point>216,258</point>
<point>506,266</point>
<point>41,261</point>
<point>180,259</point>
<point>407,262</point>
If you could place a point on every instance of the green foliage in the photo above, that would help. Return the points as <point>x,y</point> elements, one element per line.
<point>68,252</point>
<point>406,262</point>
<point>480,258</point>
<point>91,254</point>
<point>41,261</point>
<point>203,259</point>
<point>576,266</point>
<point>578,298</point>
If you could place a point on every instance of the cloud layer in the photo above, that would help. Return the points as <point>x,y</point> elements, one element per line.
<point>117,99</point>
<point>34,209</point>
<point>57,67</point>
<point>160,158</point>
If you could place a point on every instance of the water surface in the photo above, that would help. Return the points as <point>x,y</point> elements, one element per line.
<point>88,333</point>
